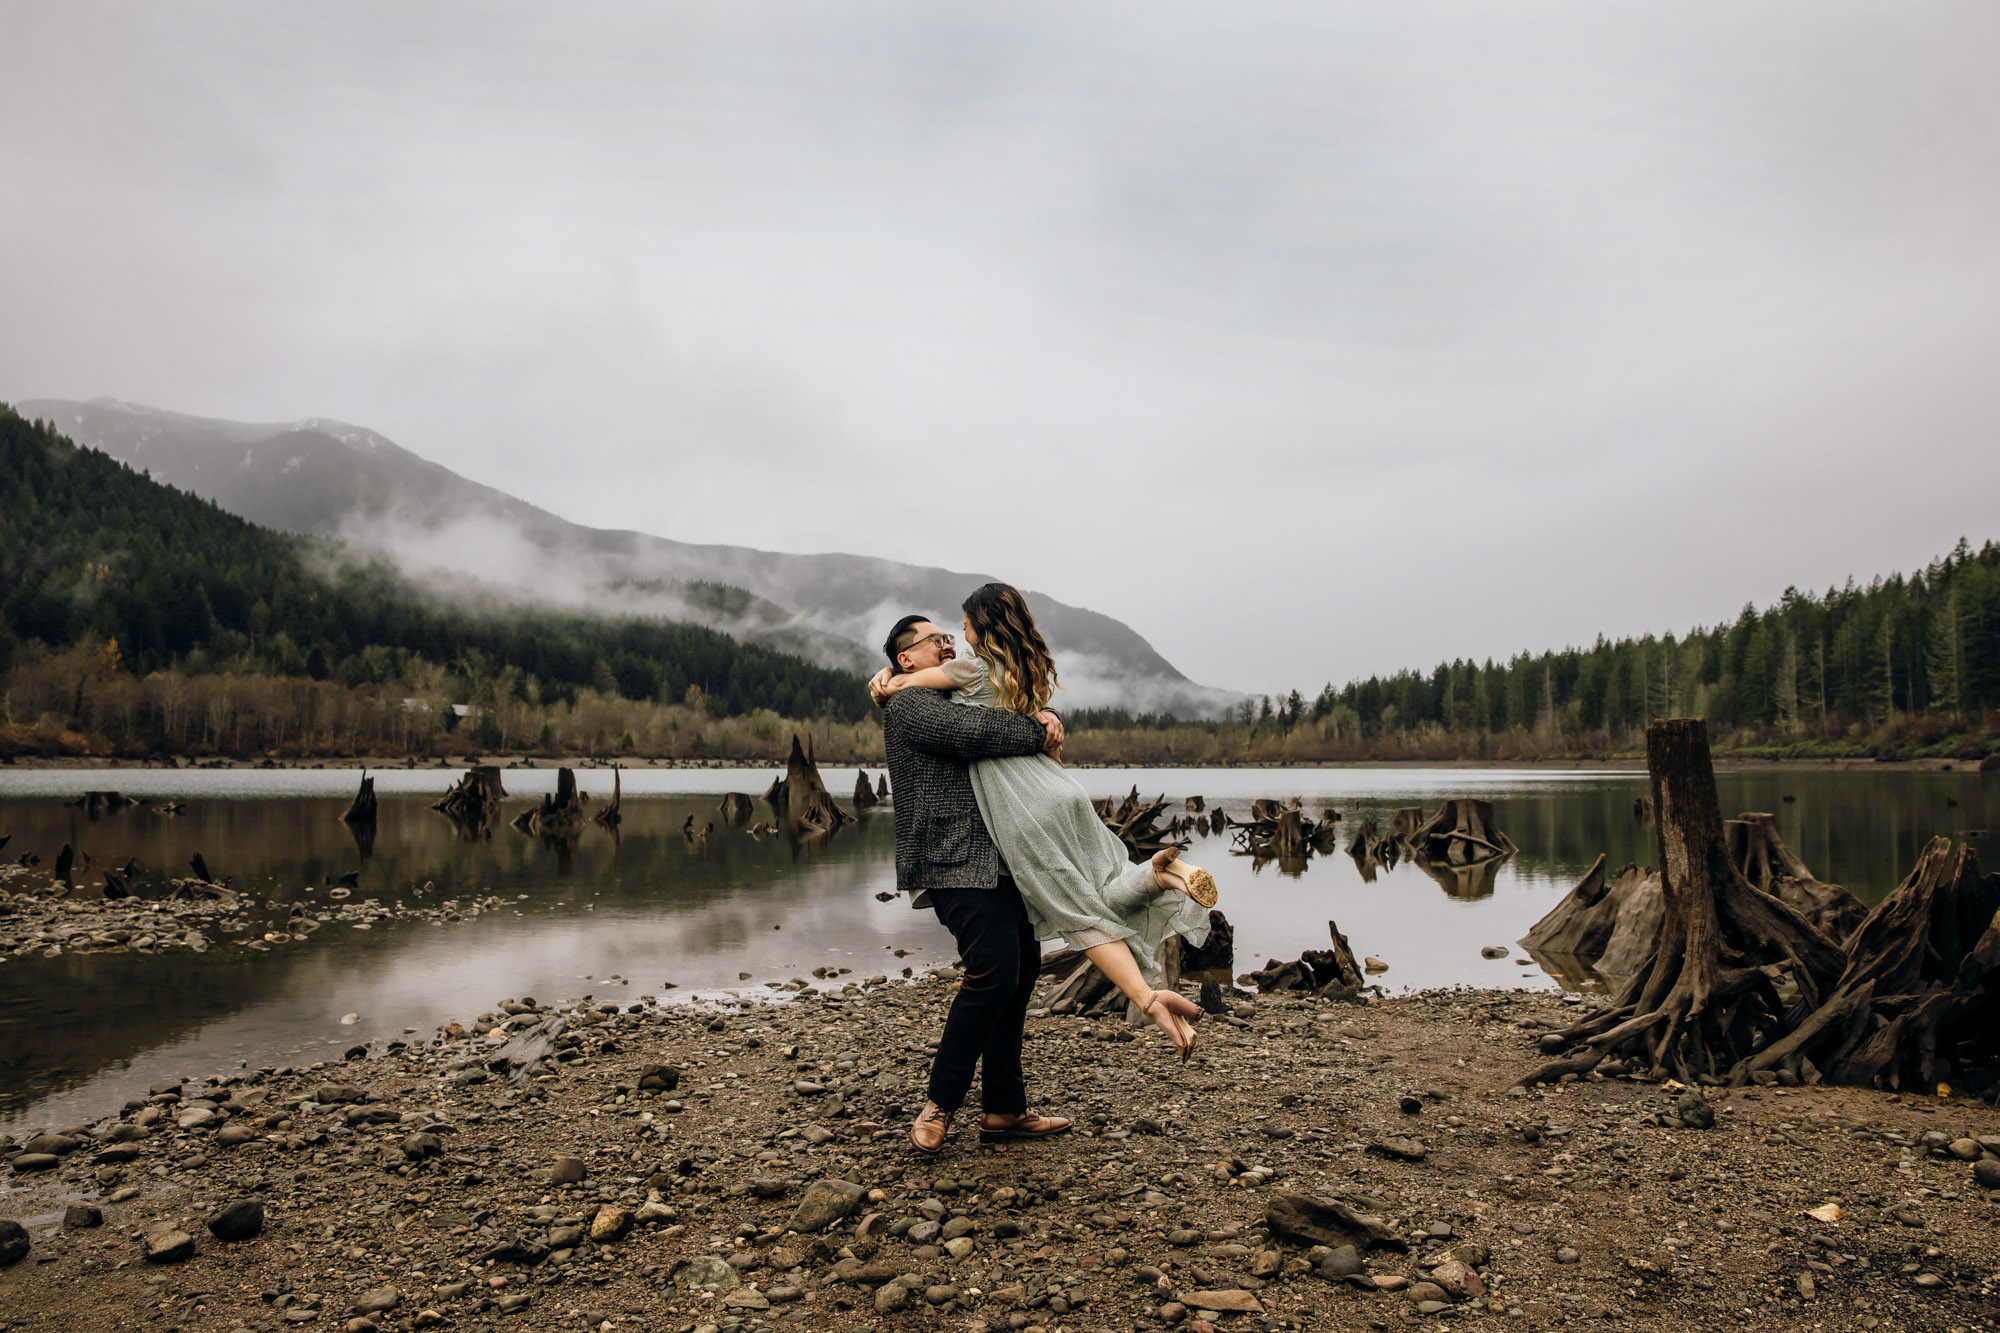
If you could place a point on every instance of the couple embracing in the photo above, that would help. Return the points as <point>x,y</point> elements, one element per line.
<point>1003,844</point>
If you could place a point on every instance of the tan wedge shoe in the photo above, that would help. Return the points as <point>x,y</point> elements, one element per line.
<point>1192,880</point>
<point>1183,1035</point>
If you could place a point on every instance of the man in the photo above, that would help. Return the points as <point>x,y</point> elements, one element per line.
<point>946,858</point>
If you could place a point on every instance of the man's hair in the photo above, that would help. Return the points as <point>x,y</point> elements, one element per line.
<point>900,638</point>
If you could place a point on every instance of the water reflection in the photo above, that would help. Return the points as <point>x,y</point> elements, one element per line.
<point>620,911</point>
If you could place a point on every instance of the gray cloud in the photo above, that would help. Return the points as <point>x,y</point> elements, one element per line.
<point>1308,339</point>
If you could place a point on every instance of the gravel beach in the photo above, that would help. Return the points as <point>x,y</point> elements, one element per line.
<point>744,1166</point>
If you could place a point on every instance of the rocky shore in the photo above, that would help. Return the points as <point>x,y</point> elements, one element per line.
<point>743,1167</point>
<point>39,917</point>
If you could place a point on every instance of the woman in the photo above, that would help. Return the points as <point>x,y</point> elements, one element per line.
<point>1072,872</point>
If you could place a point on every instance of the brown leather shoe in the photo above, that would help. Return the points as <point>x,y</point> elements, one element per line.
<point>1027,1125</point>
<point>930,1129</point>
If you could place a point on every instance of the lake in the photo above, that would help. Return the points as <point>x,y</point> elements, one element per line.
<point>622,916</point>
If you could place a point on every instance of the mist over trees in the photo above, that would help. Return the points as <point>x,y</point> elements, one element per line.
<point>151,580</point>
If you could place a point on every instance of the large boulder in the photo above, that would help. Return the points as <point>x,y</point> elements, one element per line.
<point>826,1202</point>
<point>237,1221</point>
<point>168,1245</point>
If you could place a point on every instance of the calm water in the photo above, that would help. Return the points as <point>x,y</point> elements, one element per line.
<point>619,917</point>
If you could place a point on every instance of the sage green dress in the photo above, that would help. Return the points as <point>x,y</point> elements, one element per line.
<point>1073,873</point>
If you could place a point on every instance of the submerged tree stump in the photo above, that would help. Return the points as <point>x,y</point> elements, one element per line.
<point>611,816</point>
<point>736,809</point>
<point>1461,831</point>
<point>1731,969</point>
<point>864,791</point>
<point>801,797</point>
<point>475,800</point>
<point>362,811</point>
<point>558,816</point>
<point>1137,824</point>
<point>1371,850</point>
<point>1279,830</point>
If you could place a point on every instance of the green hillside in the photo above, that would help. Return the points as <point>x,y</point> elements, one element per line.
<point>91,549</point>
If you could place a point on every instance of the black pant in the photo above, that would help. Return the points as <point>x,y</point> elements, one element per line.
<point>1002,960</point>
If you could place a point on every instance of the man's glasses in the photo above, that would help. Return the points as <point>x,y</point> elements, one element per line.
<point>940,638</point>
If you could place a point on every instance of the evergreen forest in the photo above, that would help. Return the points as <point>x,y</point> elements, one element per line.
<point>150,579</point>
<point>1903,666</point>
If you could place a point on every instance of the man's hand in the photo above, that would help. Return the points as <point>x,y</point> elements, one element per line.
<point>878,686</point>
<point>1053,726</point>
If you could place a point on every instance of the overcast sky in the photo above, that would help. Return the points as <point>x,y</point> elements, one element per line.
<point>1311,339</point>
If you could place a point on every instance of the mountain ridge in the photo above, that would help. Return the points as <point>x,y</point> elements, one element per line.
<point>328,477</point>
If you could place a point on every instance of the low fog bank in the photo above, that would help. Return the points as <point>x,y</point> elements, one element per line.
<point>838,633</point>
<point>332,478</point>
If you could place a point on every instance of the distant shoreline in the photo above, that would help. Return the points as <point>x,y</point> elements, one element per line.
<point>1723,763</point>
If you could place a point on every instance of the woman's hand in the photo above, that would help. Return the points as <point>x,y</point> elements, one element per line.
<point>883,684</point>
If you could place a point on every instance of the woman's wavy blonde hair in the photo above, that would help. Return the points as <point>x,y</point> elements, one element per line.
<point>1023,672</point>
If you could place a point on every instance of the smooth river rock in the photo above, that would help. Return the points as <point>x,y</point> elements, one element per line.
<point>168,1245</point>
<point>704,1272</point>
<point>14,1243</point>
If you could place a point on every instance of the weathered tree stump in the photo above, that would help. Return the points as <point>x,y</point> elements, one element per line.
<point>1757,851</point>
<point>611,816</point>
<point>1083,990</point>
<point>559,816</point>
<point>1714,992</point>
<point>362,810</point>
<point>475,800</point>
<point>1405,822</point>
<point>65,861</point>
<point>1332,973</point>
<point>864,791</point>
<point>1581,924</point>
<point>1603,928</point>
<point>1370,850</point>
<point>1136,823</point>
<point>736,809</point>
<point>1279,830</point>
<point>1920,991</point>
<point>801,797</point>
<point>1461,831</point>
<point>1762,858</point>
<point>1195,805</point>
<point>1218,953</point>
